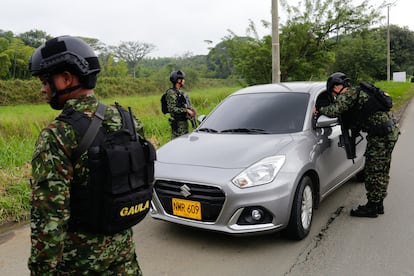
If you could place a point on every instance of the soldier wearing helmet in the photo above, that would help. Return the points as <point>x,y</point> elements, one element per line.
<point>178,105</point>
<point>68,68</point>
<point>336,79</point>
<point>329,95</point>
<point>358,110</point>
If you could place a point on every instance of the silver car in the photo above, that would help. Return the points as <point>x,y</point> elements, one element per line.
<point>258,162</point>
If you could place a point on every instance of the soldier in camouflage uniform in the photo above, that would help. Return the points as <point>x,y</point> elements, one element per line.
<point>177,105</point>
<point>382,135</point>
<point>67,68</point>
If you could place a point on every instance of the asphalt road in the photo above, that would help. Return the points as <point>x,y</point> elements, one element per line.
<point>337,245</point>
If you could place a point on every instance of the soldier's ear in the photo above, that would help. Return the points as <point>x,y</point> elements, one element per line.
<point>69,78</point>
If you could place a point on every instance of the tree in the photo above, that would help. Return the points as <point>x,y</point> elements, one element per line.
<point>308,40</point>
<point>248,57</point>
<point>219,61</point>
<point>362,56</point>
<point>14,56</point>
<point>34,38</point>
<point>6,34</point>
<point>310,36</point>
<point>402,48</point>
<point>333,17</point>
<point>111,68</point>
<point>252,58</point>
<point>132,52</point>
<point>302,55</point>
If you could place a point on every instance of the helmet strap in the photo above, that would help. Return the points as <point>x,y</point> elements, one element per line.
<point>54,101</point>
<point>339,92</point>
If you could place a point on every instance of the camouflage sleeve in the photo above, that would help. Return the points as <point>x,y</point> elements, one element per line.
<point>51,172</point>
<point>139,127</point>
<point>113,121</point>
<point>343,103</point>
<point>173,106</point>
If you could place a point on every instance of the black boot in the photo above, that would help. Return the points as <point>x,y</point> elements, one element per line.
<point>368,210</point>
<point>380,207</point>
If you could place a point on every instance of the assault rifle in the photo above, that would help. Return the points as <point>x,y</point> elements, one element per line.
<point>347,140</point>
<point>188,105</point>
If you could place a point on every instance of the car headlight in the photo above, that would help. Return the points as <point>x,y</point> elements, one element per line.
<point>260,173</point>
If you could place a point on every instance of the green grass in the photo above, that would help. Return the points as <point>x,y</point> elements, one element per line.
<point>14,178</point>
<point>21,124</point>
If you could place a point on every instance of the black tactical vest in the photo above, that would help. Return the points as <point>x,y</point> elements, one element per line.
<point>117,193</point>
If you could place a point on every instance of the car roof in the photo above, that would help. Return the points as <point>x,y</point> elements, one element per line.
<point>309,87</point>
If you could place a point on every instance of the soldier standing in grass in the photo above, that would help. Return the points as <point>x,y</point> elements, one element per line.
<point>68,68</point>
<point>178,106</point>
<point>367,114</point>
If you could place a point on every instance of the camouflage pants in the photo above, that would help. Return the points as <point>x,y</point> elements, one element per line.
<point>100,255</point>
<point>178,128</point>
<point>377,166</point>
<point>124,268</point>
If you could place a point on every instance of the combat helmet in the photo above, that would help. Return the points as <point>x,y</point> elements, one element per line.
<point>66,53</point>
<point>337,78</point>
<point>176,75</point>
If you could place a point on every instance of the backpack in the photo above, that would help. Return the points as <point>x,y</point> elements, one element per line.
<point>164,107</point>
<point>117,193</point>
<point>181,100</point>
<point>383,100</point>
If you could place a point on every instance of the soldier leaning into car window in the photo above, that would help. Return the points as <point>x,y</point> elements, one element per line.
<point>382,132</point>
<point>178,105</point>
<point>68,68</point>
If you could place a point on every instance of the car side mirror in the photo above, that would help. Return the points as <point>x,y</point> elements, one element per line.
<point>324,121</point>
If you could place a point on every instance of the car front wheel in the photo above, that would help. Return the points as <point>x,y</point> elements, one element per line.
<point>302,211</point>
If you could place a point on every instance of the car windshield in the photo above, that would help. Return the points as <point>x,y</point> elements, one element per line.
<point>259,113</point>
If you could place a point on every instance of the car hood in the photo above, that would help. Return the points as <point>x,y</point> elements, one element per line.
<point>221,150</point>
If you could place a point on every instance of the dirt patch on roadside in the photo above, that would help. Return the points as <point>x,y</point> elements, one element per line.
<point>8,226</point>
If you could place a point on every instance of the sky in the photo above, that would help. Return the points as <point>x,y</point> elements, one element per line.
<point>175,27</point>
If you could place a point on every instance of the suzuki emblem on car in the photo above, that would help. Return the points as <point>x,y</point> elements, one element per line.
<point>185,190</point>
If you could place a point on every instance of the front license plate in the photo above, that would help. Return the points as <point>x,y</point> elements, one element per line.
<point>186,208</point>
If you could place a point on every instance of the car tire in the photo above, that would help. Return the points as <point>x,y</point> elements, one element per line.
<point>301,215</point>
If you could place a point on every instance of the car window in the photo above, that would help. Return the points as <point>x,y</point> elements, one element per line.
<point>259,113</point>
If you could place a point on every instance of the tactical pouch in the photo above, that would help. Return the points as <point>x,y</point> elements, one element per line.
<point>382,129</point>
<point>123,177</point>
